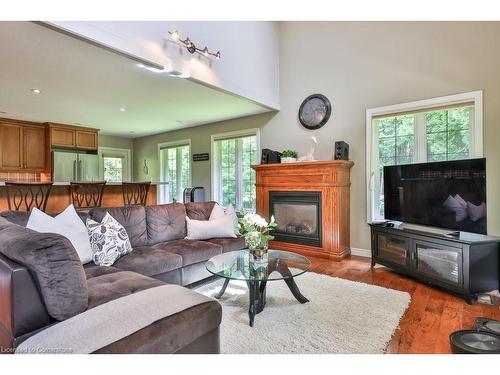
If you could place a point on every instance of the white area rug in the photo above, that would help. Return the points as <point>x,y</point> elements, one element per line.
<point>342,317</point>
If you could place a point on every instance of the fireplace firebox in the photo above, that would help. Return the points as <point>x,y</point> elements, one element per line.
<point>298,215</point>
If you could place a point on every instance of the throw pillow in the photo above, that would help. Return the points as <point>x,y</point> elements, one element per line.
<point>476,212</point>
<point>108,240</point>
<point>218,212</point>
<point>207,229</point>
<point>67,224</point>
<point>54,264</point>
<point>457,207</point>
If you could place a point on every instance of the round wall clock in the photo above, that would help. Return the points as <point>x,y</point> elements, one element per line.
<point>315,111</point>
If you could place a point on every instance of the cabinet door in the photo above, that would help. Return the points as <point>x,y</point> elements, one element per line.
<point>11,156</point>
<point>86,139</point>
<point>392,248</point>
<point>62,137</point>
<point>34,150</point>
<point>439,262</point>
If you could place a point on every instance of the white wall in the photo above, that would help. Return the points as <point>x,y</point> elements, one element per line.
<point>250,54</point>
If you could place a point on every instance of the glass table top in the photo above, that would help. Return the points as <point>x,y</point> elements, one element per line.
<point>275,265</point>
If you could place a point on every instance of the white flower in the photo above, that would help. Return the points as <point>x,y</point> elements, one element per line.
<point>254,219</point>
<point>252,239</point>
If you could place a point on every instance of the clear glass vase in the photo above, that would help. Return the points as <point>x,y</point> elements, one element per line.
<point>259,251</point>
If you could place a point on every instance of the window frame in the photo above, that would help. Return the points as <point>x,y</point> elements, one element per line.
<point>163,192</point>
<point>214,172</point>
<point>113,152</point>
<point>476,133</point>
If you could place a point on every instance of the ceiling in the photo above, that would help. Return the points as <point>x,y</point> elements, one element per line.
<point>82,84</point>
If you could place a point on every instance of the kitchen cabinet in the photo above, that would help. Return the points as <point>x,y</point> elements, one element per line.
<point>73,137</point>
<point>23,147</point>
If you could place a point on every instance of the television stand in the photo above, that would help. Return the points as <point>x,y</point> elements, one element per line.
<point>466,264</point>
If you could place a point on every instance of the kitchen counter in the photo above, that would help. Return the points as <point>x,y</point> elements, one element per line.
<point>60,196</point>
<point>2,183</point>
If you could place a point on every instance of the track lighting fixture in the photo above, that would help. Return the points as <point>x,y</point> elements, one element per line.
<point>190,46</point>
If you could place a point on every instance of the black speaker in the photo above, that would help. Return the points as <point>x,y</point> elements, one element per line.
<point>270,156</point>
<point>341,150</point>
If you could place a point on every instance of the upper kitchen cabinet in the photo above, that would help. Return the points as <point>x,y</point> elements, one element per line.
<point>23,146</point>
<point>73,137</point>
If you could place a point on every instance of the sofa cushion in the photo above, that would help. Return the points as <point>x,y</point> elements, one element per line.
<point>165,222</point>
<point>54,264</point>
<point>149,261</point>
<point>93,270</point>
<point>110,286</point>
<point>199,210</point>
<point>173,332</point>
<point>229,244</point>
<point>133,219</point>
<point>22,217</point>
<point>191,251</point>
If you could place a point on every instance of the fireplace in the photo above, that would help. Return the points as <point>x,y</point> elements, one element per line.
<point>310,201</point>
<point>298,214</point>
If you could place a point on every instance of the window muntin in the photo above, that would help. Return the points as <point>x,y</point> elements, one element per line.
<point>176,170</point>
<point>235,179</point>
<point>445,134</point>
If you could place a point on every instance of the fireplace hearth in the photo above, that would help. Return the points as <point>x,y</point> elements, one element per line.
<point>298,214</point>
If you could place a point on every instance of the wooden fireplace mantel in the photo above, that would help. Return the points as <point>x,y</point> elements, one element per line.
<point>332,179</point>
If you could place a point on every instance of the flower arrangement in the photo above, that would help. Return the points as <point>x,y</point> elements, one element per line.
<point>255,229</point>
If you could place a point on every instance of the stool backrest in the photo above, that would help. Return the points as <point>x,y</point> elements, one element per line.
<point>24,196</point>
<point>135,193</point>
<point>87,194</point>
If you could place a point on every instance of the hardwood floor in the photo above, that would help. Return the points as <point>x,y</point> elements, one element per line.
<point>433,314</point>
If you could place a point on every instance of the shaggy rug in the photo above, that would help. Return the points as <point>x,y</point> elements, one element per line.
<point>342,317</point>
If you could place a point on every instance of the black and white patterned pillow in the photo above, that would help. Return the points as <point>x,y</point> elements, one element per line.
<point>108,240</point>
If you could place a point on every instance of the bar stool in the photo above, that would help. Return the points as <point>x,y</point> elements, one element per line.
<point>24,195</point>
<point>87,194</point>
<point>135,193</point>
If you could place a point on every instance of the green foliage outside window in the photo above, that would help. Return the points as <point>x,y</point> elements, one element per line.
<point>113,169</point>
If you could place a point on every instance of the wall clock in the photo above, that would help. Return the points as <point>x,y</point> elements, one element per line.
<point>315,111</point>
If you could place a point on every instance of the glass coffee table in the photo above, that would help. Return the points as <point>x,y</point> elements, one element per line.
<point>257,271</point>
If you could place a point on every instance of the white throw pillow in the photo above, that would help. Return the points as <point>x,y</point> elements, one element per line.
<point>207,229</point>
<point>218,212</point>
<point>108,240</point>
<point>67,224</point>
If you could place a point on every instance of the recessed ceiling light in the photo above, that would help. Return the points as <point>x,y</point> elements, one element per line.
<point>123,109</point>
<point>131,132</point>
<point>36,91</point>
<point>3,112</point>
<point>141,65</point>
<point>177,74</point>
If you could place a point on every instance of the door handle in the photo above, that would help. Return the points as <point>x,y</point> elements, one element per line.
<point>74,170</point>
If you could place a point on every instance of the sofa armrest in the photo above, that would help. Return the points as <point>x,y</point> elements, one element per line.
<point>21,307</point>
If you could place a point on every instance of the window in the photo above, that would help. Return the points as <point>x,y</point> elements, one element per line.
<point>114,164</point>
<point>233,178</point>
<point>113,169</point>
<point>175,169</point>
<point>448,128</point>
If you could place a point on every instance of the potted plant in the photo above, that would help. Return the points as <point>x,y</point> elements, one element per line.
<point>255,229</point>
<point>289,156</point>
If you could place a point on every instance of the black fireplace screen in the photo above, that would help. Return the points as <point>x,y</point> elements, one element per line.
<point>298,215</point>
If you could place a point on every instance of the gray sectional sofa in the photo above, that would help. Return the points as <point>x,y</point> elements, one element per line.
<point>160,255</point>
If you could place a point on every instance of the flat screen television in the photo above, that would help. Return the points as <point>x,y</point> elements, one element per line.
<point>449,194</point>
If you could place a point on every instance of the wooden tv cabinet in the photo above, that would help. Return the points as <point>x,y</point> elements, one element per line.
<point>466,265</point>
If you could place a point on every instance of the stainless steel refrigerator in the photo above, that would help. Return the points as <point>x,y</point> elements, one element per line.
<point>73,166</point>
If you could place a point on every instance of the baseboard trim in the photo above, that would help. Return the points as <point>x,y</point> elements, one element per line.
<point>361,252</point>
